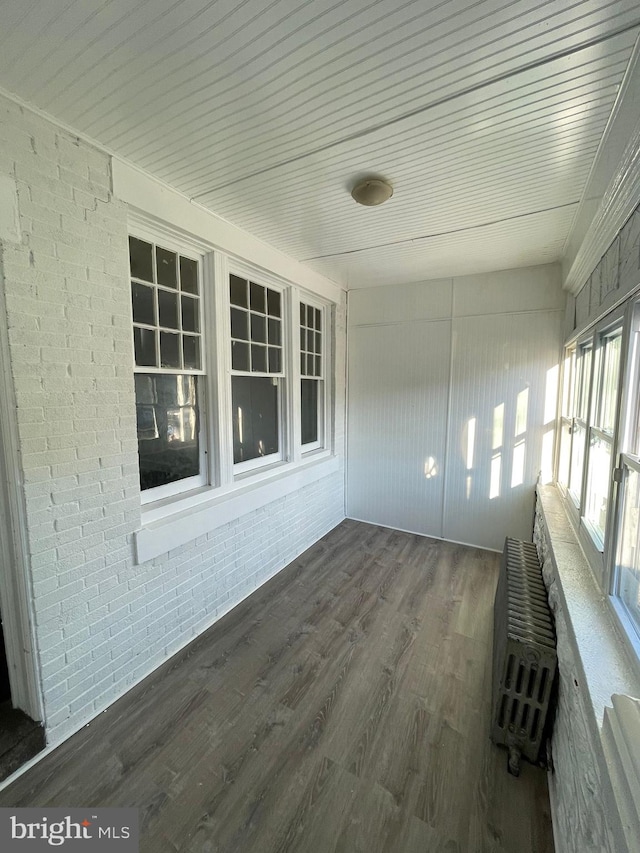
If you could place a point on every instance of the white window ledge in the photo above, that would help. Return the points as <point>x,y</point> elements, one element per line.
<point>174,524</point>
<point>602,648</point>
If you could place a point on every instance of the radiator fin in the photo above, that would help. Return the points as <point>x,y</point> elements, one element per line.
<point>524,660</point>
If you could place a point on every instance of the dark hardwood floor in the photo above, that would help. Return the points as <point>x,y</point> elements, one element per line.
<point>343,707</point>
<point>20,739</point>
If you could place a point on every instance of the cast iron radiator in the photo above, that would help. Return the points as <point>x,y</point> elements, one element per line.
<point>524,655</point>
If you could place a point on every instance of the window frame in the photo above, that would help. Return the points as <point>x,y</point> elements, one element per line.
<point>322,410</point>
<point>167,238</point>
<point>595,431</point>
<point>580,408</point>
<point>283,455</point>
<point>627,456</point>
<point>630,625</point>
<point>599,550</point>
<point>168,520</point>
<point>566,390</point>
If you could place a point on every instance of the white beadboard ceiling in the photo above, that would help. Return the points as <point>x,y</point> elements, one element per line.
<point>485,116</point>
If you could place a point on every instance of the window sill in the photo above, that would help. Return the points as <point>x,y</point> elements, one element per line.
<point>602,646</point>
<point>176,523</point>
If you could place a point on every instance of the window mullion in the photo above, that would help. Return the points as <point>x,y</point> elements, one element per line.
<point>219,320</point>
<point>586,408</point>
<point>293,395</point>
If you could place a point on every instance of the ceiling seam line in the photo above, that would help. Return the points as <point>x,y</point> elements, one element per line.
<point>410,240</point>
<point>437,103</point>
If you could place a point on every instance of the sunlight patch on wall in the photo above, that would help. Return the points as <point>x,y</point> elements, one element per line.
<point>522,406</point>
<point>430,468</point>
<point>496,474</point>
<point>517,470</point>
<point>471,442</point>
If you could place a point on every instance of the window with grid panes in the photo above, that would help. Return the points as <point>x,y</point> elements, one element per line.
<point>257,367</point>
<point>626,576</point>
<point>601,430</point>
<point>311,377</point>
<point>566,417</point>
<point>167,335</point>
<point>581,409</point>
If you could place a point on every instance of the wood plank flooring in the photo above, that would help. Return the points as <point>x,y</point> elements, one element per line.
<point>343,707</point>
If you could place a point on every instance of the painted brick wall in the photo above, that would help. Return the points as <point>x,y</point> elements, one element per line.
<point>103,622</point>
<point>584,817</point>
<point>580,825</point>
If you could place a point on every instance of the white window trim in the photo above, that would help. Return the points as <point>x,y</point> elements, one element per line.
<point>600,556</point>
<point>565,415</point>
<point>630,627</point>
<point>174,520</point>
<point>168,239</point>
<point>244,270</point>
<point>323,409</point>
<point>199,514</point>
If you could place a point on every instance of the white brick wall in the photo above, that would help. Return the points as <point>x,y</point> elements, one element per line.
<point>581,822</point>
<point>103,622</point>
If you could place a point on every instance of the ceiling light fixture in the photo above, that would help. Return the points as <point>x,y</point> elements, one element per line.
<point>372,191</point>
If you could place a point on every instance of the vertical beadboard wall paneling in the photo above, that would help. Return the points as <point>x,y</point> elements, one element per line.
<point>503,369</point>
<point>398,378</point>
<point>463,371</point>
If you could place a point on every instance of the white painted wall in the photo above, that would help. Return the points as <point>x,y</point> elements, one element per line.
<point>102,621</point>
<point>428,364</point>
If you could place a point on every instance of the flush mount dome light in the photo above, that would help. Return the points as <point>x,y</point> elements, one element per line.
<point>372,191</point>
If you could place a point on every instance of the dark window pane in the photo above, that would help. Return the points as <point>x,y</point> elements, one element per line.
<point>190,318</point>
<point>274,331</point>
<point>309,410</point>
<point>318,319</point>
<point>303,339</point>
<point>257,297</point>
<point>145,389</point>
<point>239,324</point>
<point>169,350</point>
<point>188,275</point>
<point>166,267</point>
<point>258,359</point>
<point>142,301</point>
<point>140,259</point>
<point>144,343</point>
<point>239,356</point>
<point>318,347</point>
<point>275,360</point>
<point>255,417</point>
<point>303,314</point>
<point>273,303</point>
<point>191,350</point>
<point>168,309</point>
<point>318,369</point>
<point>258,329</point>
<point>303,364</point>
<point>168,394</point>
<point>238,291</point>
<point>310,316</point>
<point>167,410</point>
